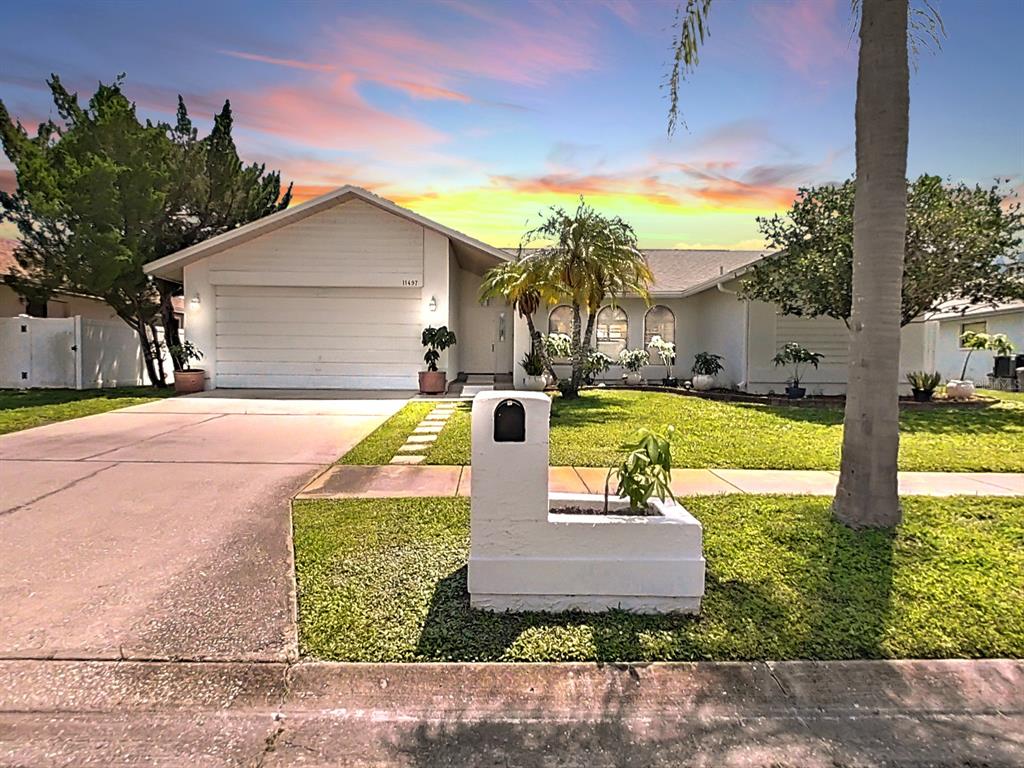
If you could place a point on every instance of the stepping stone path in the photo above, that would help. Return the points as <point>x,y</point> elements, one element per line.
<point>424,435</point>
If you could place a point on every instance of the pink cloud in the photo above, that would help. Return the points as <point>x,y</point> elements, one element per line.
<point>806,34</point>
<point>289,63</point>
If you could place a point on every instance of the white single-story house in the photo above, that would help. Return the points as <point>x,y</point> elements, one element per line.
<point>956,318</point>
<point>334,293</point>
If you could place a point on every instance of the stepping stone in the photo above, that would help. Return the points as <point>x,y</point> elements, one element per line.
<point>428,429</point>
<point>421,438</point>
<point>412,448</point>
<point>407,459</point>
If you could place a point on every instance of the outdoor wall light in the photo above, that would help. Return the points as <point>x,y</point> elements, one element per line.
<point>194,302</point>
<point>432,306</point>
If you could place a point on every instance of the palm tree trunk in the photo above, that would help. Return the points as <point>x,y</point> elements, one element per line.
<point>867,494</point>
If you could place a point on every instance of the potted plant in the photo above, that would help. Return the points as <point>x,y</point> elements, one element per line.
<point>799,357</point>
<point>533,368</point>
<point>923,385</point>
<point>645,470</point>
<point>705,367</point>
<point>188,380</point>
<point>1002,367</point>
<point>665,350</point>
<point>557,346</point>
<point>632,360</point>
<point>436,340</point>
<point>596,364</point>
<point>963,388</point>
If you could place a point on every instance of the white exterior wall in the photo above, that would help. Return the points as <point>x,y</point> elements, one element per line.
<point>721,330</point>
<point>949,358</point>
<point>336,300</point>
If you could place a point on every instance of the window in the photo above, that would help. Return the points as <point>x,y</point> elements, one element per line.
<point>560,320</point>
<point>612,331</point>
<point>978,326</point>
<point>659,321</point>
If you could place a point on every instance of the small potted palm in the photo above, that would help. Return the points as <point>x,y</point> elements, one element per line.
<point>963,388</point>
<point>665,350</point>
<point>923,385</point>
<point>633,360</point>
<point>188,380</point>
<point>798,357</point>
<point>534,379</point>
<point>436,340</point>
<point>705,367</point>
<point>1002,367</point>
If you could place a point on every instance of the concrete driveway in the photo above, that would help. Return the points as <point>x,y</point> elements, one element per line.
<point>163,530</point>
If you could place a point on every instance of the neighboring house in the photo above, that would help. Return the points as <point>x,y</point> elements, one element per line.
<point>956,318</point>
<point>334,293</point>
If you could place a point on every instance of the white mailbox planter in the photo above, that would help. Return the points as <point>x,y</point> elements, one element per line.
<point>524,558</point>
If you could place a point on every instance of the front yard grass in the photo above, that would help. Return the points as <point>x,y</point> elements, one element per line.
<point>385,580</point>
<point>588,432</point>
<point>25,408</point>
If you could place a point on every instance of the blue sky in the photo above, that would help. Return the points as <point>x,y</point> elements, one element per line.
<point>482,114</point>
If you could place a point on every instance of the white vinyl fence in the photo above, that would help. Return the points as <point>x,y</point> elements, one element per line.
<point>69,352</point>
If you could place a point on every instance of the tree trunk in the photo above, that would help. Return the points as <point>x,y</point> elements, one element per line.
<point>36,307</point>
<point>169,320</point>
<point>578,354</point>
<point>155,375</point>
<point>867,494</point>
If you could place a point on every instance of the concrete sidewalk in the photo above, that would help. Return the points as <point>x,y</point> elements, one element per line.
<point>739,715</point>
<point>391,481</point>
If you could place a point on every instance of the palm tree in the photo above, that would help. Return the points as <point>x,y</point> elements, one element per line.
<point>586,258</point>
<point>867,493</point>
<point>524,288</point>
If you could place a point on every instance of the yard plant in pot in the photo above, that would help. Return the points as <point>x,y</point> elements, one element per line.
<point>666,351</point>
<point>644,472</point>
<point>632,361</point>
<point>923,384</point>
<point>705,367</point>
<point>799,357</point>
<point>188,380</point>
<point>1002,367</point>
<point>436,340</point>
<point>534,379</point>
<point>963,388</point>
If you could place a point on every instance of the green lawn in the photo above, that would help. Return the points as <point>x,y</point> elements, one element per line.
<point>588,432</point>
<point>22,409</point>
<point>385,580</point>
<point>380,445</point>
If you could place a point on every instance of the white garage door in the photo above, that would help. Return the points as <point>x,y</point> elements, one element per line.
<point>318,338</point>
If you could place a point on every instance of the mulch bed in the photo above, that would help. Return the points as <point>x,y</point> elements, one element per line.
<point>626,512</point>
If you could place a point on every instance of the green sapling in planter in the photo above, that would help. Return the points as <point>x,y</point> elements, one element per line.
<point>436,340</point>
<point>533,372</point>
<point>645,470</point>
<point>666,351</point>
<point>187,380</point>
<point>799,357</point>
<point>633,360</point>
<point>705,367</point>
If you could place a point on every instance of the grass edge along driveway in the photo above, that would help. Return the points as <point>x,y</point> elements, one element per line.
<point>385,580</point>
<point>719,435</point>
<point>26,408</point>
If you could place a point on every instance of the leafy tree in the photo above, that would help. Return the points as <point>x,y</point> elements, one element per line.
<point>585,258</point>
<point>962,242</point>
<point>91,196</point>
<point>100,194</point>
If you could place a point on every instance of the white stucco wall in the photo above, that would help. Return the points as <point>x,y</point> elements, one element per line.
<point>949,358</point>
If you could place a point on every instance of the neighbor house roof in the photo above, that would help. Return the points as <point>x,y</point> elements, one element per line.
<point>958,308</point>
<point>472,253</point>
<point>685,271</point>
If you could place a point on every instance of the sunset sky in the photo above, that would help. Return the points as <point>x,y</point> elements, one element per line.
<point>482,114</point>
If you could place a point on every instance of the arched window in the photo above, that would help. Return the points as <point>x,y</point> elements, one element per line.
<point>560,320</point>
<point>659,321</point>
<point>612,330</point>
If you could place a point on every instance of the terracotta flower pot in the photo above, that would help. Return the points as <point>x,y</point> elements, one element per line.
<point>433,382</point>
<point>190,381</point>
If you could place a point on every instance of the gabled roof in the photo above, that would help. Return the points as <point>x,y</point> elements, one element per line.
<point>473,254</point>
<point>956,309</point>
<point>685,271</point>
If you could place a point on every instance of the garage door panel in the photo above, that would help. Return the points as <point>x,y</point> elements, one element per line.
<point>317,337</point>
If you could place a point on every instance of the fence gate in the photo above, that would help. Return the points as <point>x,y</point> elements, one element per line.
<point>38,352</point>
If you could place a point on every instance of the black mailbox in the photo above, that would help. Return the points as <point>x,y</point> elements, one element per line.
<point>510,422</point>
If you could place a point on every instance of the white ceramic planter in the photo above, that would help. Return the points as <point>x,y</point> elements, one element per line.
<point>703,382</point>
<point>535,383</point>
<point>652,564</point>
<point>957,389</point>
<point>633,378</point>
